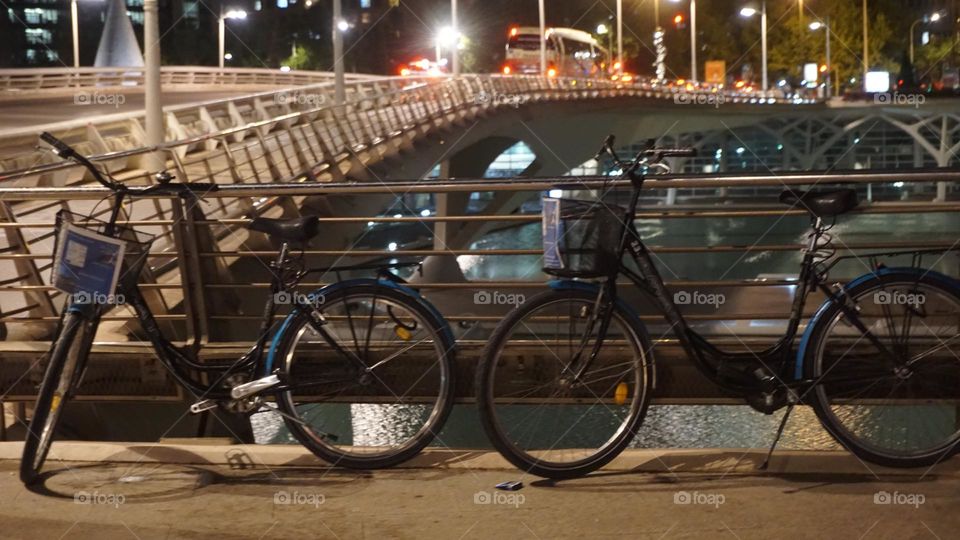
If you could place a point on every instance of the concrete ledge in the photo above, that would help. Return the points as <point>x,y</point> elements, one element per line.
<point>737,461</point>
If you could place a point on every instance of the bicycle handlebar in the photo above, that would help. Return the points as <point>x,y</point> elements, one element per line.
<point>677,152</point>
<point>651,153</point>
<point>62,149</point>
<point>65,151</point>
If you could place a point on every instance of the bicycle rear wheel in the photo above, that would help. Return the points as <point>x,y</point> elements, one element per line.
<point>66,358</point>
<point>535,413</point>
<point>893,398</point>
<point>375,385</point>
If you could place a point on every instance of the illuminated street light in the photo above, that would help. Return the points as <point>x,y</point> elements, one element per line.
<point>693,38</point>
<point>447,38</point>
<point>602,29</point>
<point>237,14</point>
<point>926,18</point>
<point>343,25</point>
<point>817,25</point>
<point>750,12</point>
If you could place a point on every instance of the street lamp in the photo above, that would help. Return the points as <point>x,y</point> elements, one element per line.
<point>447,38</point>
<point>817,25</point>
<point>231,14</point>
<point>926,18</point>
<point>74,27</point>
<point>336,36</point>
<point>620,34</point>
<point>693,38</point>
<point>543,37</point>
<point>750,12</point>
<point>604,30</point>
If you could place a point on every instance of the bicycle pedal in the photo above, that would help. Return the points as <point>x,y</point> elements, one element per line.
<point>202,406</point>
<point>250,388</point>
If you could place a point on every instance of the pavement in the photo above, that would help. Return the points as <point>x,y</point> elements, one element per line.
<point>208,489</point>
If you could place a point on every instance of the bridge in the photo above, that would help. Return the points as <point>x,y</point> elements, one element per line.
<point>366,167</point>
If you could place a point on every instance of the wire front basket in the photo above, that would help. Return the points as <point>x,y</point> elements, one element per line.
<point>581,238</point>
<point>92,265</point>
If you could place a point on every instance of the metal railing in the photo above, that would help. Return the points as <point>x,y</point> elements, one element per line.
<point>17,82</point>
<point>377,109</point>
<point>206,277</point>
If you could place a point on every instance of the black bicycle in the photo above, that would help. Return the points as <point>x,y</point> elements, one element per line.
<point>361,371</point>
<point>566,379</point>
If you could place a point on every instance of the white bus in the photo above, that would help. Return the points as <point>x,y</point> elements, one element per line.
<point>570,52</point>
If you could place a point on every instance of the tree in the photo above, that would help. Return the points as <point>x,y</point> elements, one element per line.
<point>301,58</point>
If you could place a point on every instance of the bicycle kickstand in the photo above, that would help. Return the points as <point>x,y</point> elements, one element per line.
<point>783,423</point>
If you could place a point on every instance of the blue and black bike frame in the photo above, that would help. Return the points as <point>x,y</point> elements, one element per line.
<point>745,373</point>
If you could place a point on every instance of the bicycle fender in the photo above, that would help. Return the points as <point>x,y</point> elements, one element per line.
<point>880,272</point>
<point>275,343</point>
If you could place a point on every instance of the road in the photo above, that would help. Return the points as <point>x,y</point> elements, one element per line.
<point>653,494</point>
<point>21,113</point>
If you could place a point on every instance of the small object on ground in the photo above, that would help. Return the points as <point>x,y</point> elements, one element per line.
<point>510,486</point>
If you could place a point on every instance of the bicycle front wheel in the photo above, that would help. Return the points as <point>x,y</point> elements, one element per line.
<point>66,358</point>
<point>891,394</point>
<point>537,413</point>
<point>372,384</point>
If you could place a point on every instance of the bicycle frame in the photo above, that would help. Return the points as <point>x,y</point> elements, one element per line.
<point>178,361</point>
<point>742,372</point>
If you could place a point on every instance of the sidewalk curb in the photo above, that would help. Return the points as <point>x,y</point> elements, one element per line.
<point>700,461</point>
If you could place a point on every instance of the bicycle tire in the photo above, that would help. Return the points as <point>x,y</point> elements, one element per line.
<point>54,393</point>
<point>830,403</point>
<point>643,370</point>
<point>402,305</point>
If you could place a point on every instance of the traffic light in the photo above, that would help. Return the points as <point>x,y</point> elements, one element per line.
<point>678,21</point>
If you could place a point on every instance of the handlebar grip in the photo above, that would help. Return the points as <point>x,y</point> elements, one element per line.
<point>62,148</point>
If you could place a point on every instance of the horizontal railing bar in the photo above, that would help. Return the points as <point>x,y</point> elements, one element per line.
<point>677,211</point>
<point>472,185</point>
<point>852,246</point>
<point>655,249</point>
<point>525,284</point>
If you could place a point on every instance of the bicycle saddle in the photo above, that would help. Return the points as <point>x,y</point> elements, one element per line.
<point>826,203</point>
<point>292,230</point>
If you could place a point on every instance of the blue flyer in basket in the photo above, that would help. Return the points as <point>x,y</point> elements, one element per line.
<point>552,233</point>
<point>87,262</point>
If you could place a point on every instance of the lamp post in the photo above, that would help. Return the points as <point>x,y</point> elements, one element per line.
<point>620,34</point>
<point>74,26</point>
<point>543,38</point>
<point>603,30</point>
<point>447,38</point>
<point>152,98</point>
<point>866,48</point>
<point>455,54</point>
<point>817,25</point>
<point>338,27</point>
<point>931,18</point>
<point>750,12</point>
<point>230,14</point>
<point>693,38</point>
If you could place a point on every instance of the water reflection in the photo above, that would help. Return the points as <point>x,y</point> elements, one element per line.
<point>666,426</point>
